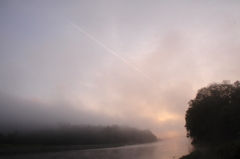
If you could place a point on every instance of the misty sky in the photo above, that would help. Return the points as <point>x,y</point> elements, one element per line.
<point>50,71</point>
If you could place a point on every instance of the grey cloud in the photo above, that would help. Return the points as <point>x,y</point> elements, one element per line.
<point>181,45</point>
<point>19,114</point>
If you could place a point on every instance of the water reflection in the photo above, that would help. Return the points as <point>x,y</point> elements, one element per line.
<point>167,149</point>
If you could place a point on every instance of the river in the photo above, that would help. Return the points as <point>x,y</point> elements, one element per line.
<point>166,149</point>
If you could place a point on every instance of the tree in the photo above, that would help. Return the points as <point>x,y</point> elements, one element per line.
<point>213,115</point>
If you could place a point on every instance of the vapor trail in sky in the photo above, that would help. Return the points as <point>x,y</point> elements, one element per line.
<point>115,54</point>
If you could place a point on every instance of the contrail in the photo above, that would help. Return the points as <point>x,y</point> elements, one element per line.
<point>114,53</point>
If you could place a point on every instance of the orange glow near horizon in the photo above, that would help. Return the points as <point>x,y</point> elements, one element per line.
<point>166,116</point>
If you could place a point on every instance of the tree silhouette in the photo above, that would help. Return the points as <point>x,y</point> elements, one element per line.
<point>68,134</point>
<point>214,115</point>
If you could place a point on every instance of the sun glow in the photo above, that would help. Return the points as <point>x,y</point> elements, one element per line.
<point>166,116</point>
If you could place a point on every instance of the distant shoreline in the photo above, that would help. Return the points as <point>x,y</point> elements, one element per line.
<point>8,150</point>
<point>15,149</point>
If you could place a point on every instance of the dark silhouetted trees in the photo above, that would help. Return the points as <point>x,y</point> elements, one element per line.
<point>67,134</point>
<point>213,115</point>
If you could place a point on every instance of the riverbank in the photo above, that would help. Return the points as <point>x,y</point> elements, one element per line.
<point>165,149</point>
<point>26,149</point>
<point>229,149</point>
<point>12,149</point>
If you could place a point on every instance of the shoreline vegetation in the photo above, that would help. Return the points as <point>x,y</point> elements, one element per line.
<point>227,150</point>
<point>213,122</point>
<point>73,137</point>
<point>25,149</point>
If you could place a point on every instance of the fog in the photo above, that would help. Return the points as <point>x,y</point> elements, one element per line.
<point>52,72</point>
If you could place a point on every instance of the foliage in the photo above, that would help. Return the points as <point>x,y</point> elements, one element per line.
<point>214,115</point>
<point>193,155</point>
<point>230,149</point>
<point>67,134</point>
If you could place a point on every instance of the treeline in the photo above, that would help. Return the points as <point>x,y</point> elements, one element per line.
<point>67,134</point>
<point>214,115</point>
<point>213,121</point>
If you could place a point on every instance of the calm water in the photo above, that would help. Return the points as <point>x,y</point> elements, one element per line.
<point>167,149</point>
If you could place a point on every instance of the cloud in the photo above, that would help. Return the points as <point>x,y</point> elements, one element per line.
<point>51,72</point>
<point>30,114</point>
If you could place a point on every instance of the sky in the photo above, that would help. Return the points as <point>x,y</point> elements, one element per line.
<point>104,62</point>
